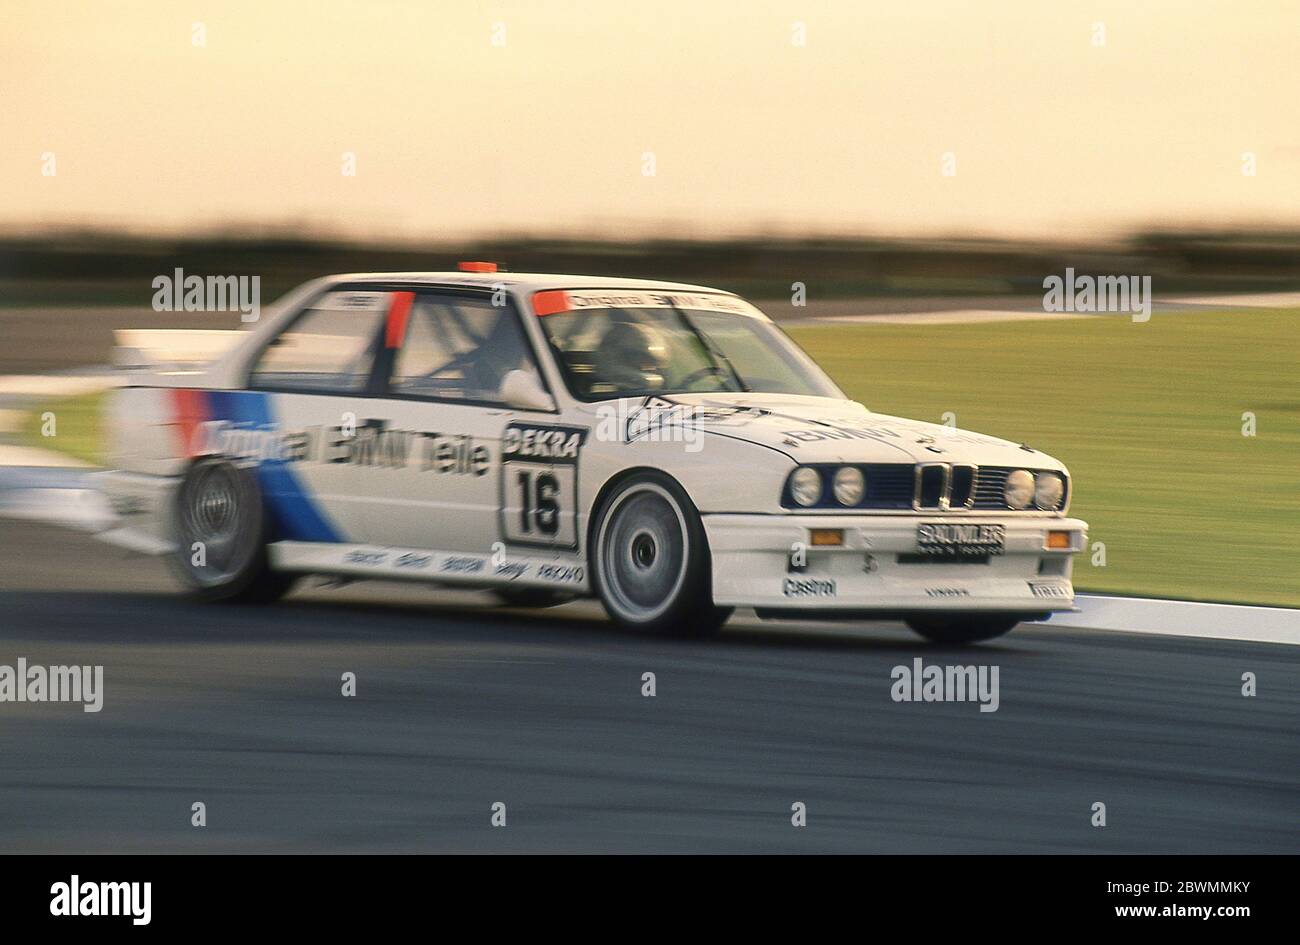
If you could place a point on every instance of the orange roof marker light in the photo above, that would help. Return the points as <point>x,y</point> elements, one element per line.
<point>477,266</point>
<point>550,302</point>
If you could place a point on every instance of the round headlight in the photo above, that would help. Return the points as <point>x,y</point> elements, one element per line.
<point>849,485</point>
<point>1019,490</point>
<point>1049,489</point>
<point>806,486</point>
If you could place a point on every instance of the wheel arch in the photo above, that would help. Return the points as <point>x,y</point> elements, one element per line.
<point>612,483</point>
<point>186,465</point>
<point>702,615</point>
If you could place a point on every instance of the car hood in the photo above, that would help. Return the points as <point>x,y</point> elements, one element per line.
<point>823,430</point>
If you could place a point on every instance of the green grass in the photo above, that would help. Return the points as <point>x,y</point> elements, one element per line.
<point>1148,417</point>
<point>77,427</point>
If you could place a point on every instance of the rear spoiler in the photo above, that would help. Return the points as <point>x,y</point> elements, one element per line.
<point>162,349</point>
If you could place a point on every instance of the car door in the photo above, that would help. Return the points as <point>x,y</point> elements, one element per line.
<point>297,419</point>
<point>444,364</point>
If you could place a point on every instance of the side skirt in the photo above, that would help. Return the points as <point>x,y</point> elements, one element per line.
<point>565,573</point>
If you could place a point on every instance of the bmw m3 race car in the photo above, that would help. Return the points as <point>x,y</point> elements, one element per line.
<point>663,447</point>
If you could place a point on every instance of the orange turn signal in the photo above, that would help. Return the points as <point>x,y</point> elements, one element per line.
<point>1058,540</point>
<point>825,536</point>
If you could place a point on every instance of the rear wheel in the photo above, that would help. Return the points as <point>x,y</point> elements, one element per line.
<point>962,628</point>
<point>221,536</point>
<point>650,559</point>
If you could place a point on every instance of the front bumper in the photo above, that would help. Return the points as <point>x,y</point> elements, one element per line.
<point>880,568</point>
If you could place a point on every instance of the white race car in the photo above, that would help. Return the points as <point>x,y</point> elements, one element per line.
<point>663,447</point>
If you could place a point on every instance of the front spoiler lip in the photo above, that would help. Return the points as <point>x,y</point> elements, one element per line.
<point>892,614</point>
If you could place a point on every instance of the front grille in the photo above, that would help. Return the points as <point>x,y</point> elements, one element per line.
<point>963,486</point>
<point>990,487</point>
<point>930,486</point>
<point>939,486</point>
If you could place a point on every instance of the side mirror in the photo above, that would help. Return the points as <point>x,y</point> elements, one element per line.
<point>522,390</point>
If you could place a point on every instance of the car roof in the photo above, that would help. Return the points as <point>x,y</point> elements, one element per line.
<point>522,280</point>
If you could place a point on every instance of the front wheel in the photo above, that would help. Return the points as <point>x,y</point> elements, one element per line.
<point>221,536</point>
<point>650,559</point>
<point>958,629</point>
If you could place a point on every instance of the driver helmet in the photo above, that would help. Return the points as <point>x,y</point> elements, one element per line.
<point>631,356</point>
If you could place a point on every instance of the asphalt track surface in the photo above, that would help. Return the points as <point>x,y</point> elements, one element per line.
<point>460,705</point>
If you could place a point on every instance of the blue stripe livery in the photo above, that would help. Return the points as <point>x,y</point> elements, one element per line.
<point>293,512</point>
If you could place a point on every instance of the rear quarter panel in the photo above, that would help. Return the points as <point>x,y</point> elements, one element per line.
<point>146,430</point>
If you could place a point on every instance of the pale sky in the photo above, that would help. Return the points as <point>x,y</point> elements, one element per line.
<point>1052,135</point>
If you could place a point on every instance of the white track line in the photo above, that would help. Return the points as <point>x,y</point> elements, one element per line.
<point>1249,300</point>
<point>966,316</point>
<point>948,317</point>
<point>1180,618</point>
<point>55,385</point>
<point>33,456</point>
<point>11,421</point>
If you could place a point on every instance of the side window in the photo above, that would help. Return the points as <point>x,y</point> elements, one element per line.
<point>460,349</point>
<point>327,349</point>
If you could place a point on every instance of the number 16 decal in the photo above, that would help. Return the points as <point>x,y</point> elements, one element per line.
<point>539,485</point>
<point>540,508</point>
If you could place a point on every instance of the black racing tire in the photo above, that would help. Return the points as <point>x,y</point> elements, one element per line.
<point>219,505</point>
<point>960,629</point>
<point>530,597</point>
<point>649,559</point>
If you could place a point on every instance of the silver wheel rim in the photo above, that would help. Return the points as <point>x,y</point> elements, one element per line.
<point>642,553</point>
<point>213,510</point>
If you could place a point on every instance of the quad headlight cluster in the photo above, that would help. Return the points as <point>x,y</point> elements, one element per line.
<point>900,486</point>
<point>1045,490</point>
<point>848,486</point>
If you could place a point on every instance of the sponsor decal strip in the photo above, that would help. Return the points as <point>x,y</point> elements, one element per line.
<point>453,567</point>
<point>538,497</point>
<point>555,301</point>
<point>808,587</point>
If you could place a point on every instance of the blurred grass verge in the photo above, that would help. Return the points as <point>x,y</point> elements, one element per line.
<point>1147,416</point>
<point>77,427</point>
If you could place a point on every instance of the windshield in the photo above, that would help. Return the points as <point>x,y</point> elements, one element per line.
<point>626,352</point>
